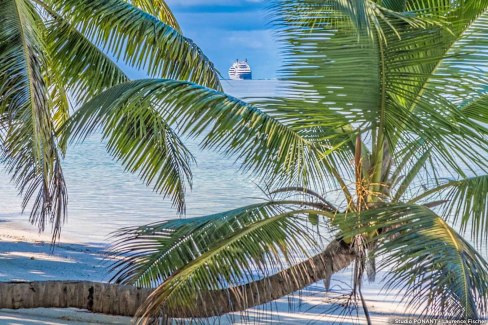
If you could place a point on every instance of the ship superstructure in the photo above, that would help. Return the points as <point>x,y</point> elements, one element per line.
<point>240,70</point>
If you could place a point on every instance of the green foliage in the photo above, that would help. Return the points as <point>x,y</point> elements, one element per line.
<point>260,142</point>
<point>159,9</point>
<point>86,70</point>
<point>29,147</point>
<point>139,39</point>
<point>440,273</point>
<point>52,52</point>
<point>382,101</point>
<point>465,204</point>
<point>187,258</point>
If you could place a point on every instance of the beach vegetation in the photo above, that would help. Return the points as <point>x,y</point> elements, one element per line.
<point>57,55</point>
<point>374,155</point>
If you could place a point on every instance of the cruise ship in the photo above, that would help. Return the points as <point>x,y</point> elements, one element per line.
<point>240,70</point>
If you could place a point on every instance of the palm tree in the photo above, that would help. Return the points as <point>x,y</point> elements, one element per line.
<point>372,157</point>
<point>56,55</point>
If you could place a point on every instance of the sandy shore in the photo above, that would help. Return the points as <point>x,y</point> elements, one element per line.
<point>26,256</point>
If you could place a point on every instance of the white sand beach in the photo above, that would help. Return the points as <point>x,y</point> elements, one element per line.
<point>26,256</point>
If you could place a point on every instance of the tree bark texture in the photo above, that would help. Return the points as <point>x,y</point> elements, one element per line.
<point>116,299</point>
<point>104,298</point>
<point>334,258</point>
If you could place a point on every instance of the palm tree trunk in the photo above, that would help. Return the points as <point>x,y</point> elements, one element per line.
<point>334,258</point>
<point>104,298</point>
<point>115,299</point>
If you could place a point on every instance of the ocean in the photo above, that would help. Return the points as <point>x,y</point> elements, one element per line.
<point>104,198</point>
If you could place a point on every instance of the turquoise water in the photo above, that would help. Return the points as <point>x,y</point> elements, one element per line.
<point>103,198</point>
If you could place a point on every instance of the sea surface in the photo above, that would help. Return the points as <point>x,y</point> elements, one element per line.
<point>104,198</point>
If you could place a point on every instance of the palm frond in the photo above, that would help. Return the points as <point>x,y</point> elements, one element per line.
<point>420,107</point>
<point>159,9</point>
<point>338,80</point>
<point>302,191</point>
<point>139,39</point>
<point>266,147</point>
<point>466,203</point>
<point>140,138</point>
<point>189,259</point>
<point>86,70</point>
<point>395,5</point>
<point>431,8</point>
<point>314,51</point>
<point>29,147</point>
<point>411,175</point>
<point>440,274</point>
<point>59,101</point>
<point>459,72</point>
<point>476,109</point>
<point>448,71</point>
<point>317,100</point>
<point>153,252</point>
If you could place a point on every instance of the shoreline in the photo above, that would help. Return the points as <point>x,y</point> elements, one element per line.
<point>26,256</point>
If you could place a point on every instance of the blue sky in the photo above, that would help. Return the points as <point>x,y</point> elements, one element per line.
<point>230,29</point>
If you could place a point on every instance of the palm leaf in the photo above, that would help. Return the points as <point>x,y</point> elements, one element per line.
<point>141,140</point>
<point>264,146</point>
<point>29,145</point>
<point>225,251</point>
<point>159,9</point>
<point>466,203</point>
<point>153,252</point>
<point>440,274</point>
<point>454,45</point>
<point>139,39</point>
<point>476,109</point>
<point>329,64</point>
<point>314,51</point>
<point>447,71</point>
<point>411,175</point>
<point>87,71</point>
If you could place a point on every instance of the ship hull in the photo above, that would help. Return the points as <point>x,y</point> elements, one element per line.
<point>240,70</point>
<point>241,76</point>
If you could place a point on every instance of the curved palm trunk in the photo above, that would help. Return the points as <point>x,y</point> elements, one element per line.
<point>115,299</point>
<point>335,257</point>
